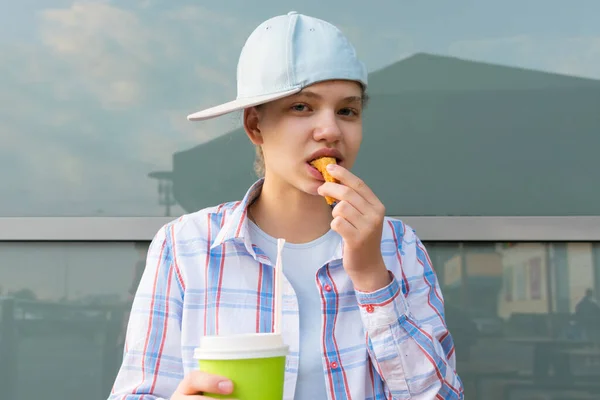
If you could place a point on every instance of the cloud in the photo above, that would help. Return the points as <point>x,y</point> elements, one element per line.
<point>577,55</point>
<point>138,58</point>
<point>106,48</point>
<point>100,100</point>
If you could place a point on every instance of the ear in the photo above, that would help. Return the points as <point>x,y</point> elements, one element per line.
<point>251,125</point>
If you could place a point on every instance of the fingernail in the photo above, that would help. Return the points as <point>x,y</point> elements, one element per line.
<point>225,386</point>
<point>330,167</point>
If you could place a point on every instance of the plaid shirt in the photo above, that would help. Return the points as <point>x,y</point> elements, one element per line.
<point>204,277</point>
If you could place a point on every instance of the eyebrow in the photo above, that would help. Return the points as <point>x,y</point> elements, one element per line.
<point>349,99</point>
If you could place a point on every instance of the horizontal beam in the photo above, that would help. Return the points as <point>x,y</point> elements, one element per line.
<point>494,229</point>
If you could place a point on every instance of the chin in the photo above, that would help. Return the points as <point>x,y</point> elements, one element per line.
<point>312,186</point>
<point>303,183</point>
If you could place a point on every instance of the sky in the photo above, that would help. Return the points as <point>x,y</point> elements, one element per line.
<point>95,93</point>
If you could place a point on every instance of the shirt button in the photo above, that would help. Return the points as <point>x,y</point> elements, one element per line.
<point>328,288</point>
<point>370,308</point>
<point>334,365</point>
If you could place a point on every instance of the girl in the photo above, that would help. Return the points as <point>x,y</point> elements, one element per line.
<point>363,312</point>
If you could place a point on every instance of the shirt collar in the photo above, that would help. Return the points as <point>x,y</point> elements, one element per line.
<point>236,226</point>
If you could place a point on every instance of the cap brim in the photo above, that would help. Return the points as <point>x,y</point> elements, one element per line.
<point>239,104</point>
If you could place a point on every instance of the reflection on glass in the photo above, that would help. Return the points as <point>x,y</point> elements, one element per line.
<point>524,317</point>
<point>64,308</point>
<point>96,94</point>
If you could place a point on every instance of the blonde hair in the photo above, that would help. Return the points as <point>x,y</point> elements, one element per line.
<point>259,162</point>
<point>259,159</point>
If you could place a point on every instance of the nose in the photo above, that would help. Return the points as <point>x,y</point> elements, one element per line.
<point>327,127</point>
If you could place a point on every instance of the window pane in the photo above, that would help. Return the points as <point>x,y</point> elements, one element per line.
<point>469,97</point>
<point>524,317</point>
<point>64,306</point>
<point>517,312</point>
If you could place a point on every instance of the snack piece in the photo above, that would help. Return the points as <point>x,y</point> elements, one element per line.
<point>321,165</point>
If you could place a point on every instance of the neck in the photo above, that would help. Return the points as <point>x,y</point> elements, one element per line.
<point>285,212</point>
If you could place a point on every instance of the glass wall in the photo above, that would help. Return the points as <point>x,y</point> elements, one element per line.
<point>95,95</point>
<point>518,313</point>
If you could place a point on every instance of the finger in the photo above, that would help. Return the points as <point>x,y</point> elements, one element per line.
<point>345,193</point>
<point>346,230</point>
<point>349,213</point>
<point>199,382</point>
<point>347,178</point>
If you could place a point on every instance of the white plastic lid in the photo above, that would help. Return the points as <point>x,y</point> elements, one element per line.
<point>242,346</point>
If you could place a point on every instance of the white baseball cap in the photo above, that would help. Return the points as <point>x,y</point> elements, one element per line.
<point>286,54</point>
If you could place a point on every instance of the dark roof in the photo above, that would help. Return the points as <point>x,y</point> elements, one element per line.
<point>427,72</point>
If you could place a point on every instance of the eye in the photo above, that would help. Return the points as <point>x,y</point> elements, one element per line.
<point>348,112</point>
<point>300,107</point>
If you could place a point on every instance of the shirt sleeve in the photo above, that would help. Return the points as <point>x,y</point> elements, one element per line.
<point>407,337</point>
<point>152,364</point>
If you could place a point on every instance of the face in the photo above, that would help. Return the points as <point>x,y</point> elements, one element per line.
<point>323,119</point>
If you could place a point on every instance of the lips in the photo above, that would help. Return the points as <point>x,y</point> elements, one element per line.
<point>326,152</point>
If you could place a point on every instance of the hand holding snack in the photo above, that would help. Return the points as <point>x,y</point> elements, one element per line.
<point>321,165</point>
<point>358,218</point>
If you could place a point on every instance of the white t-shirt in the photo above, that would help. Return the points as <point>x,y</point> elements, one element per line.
<point>300,265</point>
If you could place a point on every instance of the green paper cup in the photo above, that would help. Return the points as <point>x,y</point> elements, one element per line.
<point>254,362</point>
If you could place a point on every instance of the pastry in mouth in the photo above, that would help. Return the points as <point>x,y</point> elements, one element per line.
<point>320,165</point>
